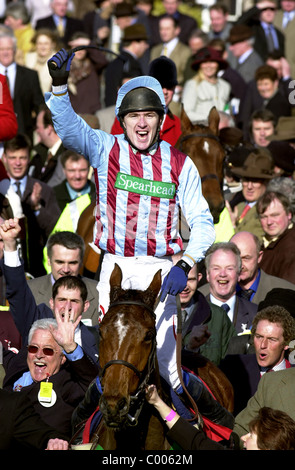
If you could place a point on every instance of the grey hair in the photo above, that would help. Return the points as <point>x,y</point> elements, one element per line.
<point>18,11</point>
<point>7,35</point>
<point>43,324</point>
<point>225,246</point>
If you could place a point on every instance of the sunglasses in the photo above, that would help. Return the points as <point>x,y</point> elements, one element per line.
<point>46,351</point>
<point>269,8</point>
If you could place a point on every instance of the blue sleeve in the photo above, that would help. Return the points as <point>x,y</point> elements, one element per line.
<point>75,133</point>
<point>196,211</point>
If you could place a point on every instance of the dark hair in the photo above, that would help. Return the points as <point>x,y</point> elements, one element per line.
<point>46,32</point>
<point>69,240</point>
<point>47,117</point>
<point>276,314</point>
<point>264,115</point>
<point>266,72</point>
<point>219,7</point>
<point>71,155</point>
<point>170,17</point>
<point>275,430</point>
<point>218,44</point>
<point>268,197</point>
<point>20,141</point>
<point>275,55</point>
<point>70,282</point>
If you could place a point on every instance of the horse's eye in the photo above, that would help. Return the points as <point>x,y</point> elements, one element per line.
<point>149,336</point>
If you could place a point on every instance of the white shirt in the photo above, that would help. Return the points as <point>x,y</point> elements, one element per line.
<point>11,74</point>
<point>230,302</point>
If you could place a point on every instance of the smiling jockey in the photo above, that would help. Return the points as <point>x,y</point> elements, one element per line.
<point>141,184</point>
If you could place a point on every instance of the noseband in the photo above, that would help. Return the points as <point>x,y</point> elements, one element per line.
<point>139,397</point>
<point>205,136</point>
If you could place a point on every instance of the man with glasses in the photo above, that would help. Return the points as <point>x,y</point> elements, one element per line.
<point>256,172</point>
<point>275,214</point>
<point>52,371</point>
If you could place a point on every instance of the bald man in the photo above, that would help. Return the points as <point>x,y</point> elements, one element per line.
<point>254,283</point>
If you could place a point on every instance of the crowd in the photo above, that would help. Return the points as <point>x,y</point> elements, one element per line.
<point>110,115</point>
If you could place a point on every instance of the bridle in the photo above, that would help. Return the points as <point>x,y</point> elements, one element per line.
<point>205,136</point>
<point>137,400</point>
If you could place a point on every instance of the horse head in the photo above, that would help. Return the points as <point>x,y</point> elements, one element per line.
<point>201,143</point>
<point>127,350</point>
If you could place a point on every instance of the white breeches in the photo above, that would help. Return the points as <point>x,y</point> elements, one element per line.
<point>138,273</point>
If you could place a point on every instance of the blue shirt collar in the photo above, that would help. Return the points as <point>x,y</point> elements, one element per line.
<point>254,285</point>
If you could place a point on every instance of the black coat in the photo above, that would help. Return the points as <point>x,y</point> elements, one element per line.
<point>27,99</point>
<point>69,384</point>
<point>73,25</point>
<point>21,427</point>
<point>124,65</point>
<point>63,197</point>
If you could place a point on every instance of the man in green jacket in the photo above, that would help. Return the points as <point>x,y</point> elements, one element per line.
<point>206,327</point>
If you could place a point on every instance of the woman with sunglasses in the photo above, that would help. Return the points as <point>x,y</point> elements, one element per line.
<point>52,370</point>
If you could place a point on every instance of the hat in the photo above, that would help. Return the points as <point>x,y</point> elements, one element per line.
<point>135,32</point>
<point>208,54</point>
<point>239,33</point>
<point>238,156</point>
<point>258,164</point>
<point>283,155</point>
<point>139,82</point>
<point>231,136</point>
<point>164,70</point>
<point>124,9</point>
<point>279,296</point>
<point>285,129</point>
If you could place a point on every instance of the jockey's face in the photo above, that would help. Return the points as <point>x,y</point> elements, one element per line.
<point>141,128</point>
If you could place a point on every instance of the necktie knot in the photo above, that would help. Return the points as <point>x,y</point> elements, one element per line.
<point>184,315</point>
<point>225,307</point>
<point>246,293</point>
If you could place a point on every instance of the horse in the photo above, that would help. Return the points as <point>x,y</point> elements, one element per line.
<point>127,354</point>
<point>128,364</point>
<point>202,144</point>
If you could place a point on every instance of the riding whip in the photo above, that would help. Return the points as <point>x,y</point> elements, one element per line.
<point>53,65</point>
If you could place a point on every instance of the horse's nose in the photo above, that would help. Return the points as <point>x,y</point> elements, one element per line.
<point>114,410</point>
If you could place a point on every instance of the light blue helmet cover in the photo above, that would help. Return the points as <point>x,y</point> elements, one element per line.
<point>142,81</point>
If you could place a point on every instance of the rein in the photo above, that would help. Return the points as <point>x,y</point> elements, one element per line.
<point>138,398</point>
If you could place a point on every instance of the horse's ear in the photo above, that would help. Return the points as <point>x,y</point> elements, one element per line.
<point>115,283</point>
<point>116,276</point>
<point>213,120</point>
<point>150,294</point>
<point>186,124</point>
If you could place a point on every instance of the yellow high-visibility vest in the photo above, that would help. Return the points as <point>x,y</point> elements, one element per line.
<point>68,221</point>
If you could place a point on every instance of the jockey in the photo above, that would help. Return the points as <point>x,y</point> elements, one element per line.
<point>141,183</point>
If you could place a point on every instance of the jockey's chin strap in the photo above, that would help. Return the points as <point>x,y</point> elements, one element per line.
<point>178,360</point>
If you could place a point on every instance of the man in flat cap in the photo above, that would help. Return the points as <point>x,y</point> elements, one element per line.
<point>241,46</point>
<point>134,44</point>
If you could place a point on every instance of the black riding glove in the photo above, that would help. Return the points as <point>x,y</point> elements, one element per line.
<point>59,67</point>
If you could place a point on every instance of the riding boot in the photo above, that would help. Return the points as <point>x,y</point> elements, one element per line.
<point>206,403</point>
<point>88,405</point>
